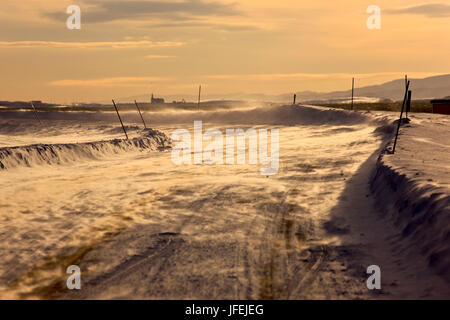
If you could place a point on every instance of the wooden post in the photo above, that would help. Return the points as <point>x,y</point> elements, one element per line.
<point>120,119</point>
<point>199,93</point>
<point>353,89</point>
<point>408,103</point>
<point>295,98</point>
<point>145,127</point>
<point>35,113</point>
<point>401,114</point>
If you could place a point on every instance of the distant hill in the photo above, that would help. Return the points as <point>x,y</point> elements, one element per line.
<point>427,88</point>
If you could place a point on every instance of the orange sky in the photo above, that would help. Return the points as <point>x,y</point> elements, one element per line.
<point>126,48</point>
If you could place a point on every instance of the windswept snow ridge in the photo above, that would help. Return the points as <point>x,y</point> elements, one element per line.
<point>11,157</point>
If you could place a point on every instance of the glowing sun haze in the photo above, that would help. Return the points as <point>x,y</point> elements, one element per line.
<point>126,48</point>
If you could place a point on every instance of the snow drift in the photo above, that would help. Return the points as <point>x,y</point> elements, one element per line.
<point>275,115</point>
<point>407,195</point>
<point>279,115</point>
<point>19,124</point>
<point>11,157</point>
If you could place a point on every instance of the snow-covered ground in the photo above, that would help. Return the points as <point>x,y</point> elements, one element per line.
<point>140,226</point>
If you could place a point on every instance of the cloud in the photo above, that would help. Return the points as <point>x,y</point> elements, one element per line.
<point>106,11</point>
<point>157,56</point>
<point>109,82</point>
<point>89,45</point>
<point>433,10</point>
<point>216,26</point>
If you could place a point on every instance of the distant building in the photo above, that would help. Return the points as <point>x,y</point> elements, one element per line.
<point>441,106</point>
<point>156,100</point>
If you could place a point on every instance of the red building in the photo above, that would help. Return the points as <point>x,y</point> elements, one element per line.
<point>441,106</point>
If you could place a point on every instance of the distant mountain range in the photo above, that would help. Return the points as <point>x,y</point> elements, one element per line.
<point>427,88</point>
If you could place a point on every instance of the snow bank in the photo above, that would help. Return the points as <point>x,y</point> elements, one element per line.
<point>411,187</point>
<point>11,157</point>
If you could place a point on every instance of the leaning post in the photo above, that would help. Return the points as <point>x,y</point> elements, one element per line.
<point>135,102</point>
<point>401,114</point>
<point>408,103</point>
<point>120,119</point>
<point>35,113</point>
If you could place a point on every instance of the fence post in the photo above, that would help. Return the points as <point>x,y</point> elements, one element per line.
<point>408,103</point>
<point>145,127</point>
<point>35,113</point>
<point>199,93</point>
<point>120,119</point>
<point>401,114</point>
<point>353,89</point>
